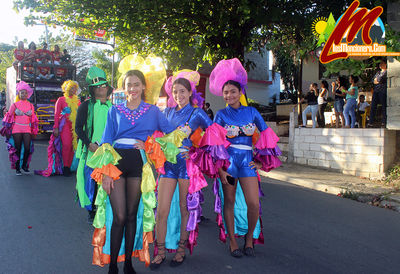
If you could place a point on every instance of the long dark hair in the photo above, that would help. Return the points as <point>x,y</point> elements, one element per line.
<point>355,78</point>
<point>343,82</point>
<point>185,82</point>
<point>138,74</point>
<point>325,84</point>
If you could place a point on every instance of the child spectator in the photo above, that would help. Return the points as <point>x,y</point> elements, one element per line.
<point>362,105</point>
<point>30,58</point>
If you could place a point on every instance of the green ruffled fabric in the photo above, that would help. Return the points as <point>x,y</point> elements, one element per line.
<point>100,218</point>
<point>170,144</point>
<point>103,156</point>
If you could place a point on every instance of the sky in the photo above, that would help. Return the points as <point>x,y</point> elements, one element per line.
<point>12,24</point>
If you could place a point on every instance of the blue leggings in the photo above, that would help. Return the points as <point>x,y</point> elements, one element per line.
<point>350,111</point>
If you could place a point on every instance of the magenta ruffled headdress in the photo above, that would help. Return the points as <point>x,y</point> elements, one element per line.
<point>194,78</point>
<point>227,70</point>
<point>23,85</point>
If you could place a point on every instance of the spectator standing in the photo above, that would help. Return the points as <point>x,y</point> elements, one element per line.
<point>322,102</point>
<point>380,93</point>
<point>341,82</point>
<point>351,102</point>
<point>208,110</point>
<point>311,98</point>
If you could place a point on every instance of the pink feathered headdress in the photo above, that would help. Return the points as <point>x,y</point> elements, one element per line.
<point>193,77</point>
<point>24,86</point>
<point>227,70</point>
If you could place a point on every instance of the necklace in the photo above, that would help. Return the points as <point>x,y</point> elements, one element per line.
<point>135,114</point>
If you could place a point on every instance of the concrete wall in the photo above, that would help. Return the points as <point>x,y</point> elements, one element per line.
<point>393,99</point>
<point>359,152</point>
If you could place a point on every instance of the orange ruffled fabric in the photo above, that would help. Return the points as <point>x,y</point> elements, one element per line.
<point>154,152</point>
<point>196,137</point>
<point>109,170</point>
<point>101,259</point>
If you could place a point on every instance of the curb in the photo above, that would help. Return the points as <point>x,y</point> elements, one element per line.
<point>309,183</point>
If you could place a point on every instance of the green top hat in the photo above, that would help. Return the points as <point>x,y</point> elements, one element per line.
<point>96,77</point>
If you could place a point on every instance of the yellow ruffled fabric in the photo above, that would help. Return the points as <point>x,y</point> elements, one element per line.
<point>170,143</point>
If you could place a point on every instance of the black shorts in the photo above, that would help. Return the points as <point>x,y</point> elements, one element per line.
<point>131,163</point>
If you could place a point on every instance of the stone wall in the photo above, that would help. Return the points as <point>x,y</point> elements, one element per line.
<point>359,152</point>
<point>393,100</point>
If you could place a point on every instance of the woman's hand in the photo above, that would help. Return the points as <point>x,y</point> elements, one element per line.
<point>139,145</point>
<point>107,184</point>
<point>56,132</point>
<point>93,147</point>
<point>222,175</point>
<point>185,154</point>
<point>255,165</point>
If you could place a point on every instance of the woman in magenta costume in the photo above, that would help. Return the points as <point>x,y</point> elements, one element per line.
<point>122,167</point>
<point>20,125</point>
<point>176,215</point>
<point>63,141</point>
<point>238,205</point>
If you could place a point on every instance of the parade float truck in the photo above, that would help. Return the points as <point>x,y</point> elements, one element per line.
<point>46,81</point>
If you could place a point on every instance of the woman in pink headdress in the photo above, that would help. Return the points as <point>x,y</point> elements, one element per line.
<point>19,126</point>
<point>237,204</point>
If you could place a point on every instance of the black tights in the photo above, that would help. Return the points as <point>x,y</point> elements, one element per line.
<point>124,200</point>
<point>18,139</point>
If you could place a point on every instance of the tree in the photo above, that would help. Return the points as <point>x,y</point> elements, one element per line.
<point>6,60</point>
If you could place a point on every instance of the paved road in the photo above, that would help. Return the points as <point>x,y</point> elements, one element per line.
<point>305,231</point>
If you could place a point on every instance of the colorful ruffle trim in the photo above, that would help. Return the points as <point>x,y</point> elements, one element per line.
<point>170,144</point>
<point>267,151</point>
<point>103,156</point>
<point>109,170</point>
<point>154,152</point>
<point>211,153</point>
<point>54,155</point>
<point>100,259</point>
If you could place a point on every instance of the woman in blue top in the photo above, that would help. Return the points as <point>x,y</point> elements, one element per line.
<point>172,200</point>
<point>240,204</point>
<point>127,128</point>
<point>351,102</point>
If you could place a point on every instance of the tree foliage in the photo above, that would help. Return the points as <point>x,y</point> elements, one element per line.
<point>6,60</point>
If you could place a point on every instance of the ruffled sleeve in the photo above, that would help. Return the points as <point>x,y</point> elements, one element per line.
<point>34,123</point>
<point>211,153</point>
<point>170,144</point>
<point>8,122</point>
<point>104,162</point>
<point>267,150</point>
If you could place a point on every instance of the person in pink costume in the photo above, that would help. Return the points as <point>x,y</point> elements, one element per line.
<point>20,125</point>
<point>67,106</point>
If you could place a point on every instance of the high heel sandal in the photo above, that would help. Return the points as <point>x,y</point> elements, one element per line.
<point>156,263</point>
<point>179,252</point>
<point>248,251</point>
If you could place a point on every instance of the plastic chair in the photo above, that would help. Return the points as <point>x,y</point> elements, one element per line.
<point>364,116</point>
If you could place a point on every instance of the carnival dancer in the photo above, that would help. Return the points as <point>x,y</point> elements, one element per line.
<point>185,113</point>
<point>121,166</point>
<point>240,202</point>
<point>90,123</point>
<point>20,125</point>
<point>63,141</point>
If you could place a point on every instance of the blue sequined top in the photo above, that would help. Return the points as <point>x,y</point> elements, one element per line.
<point>188,119</point>
<point>134,124</point>
<point>240,123</point>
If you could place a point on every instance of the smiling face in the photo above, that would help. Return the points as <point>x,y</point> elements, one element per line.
<point>100,92</point>
<point>231,95</point>
<point>133,88</point>
<point>23,94</point>
<point>73,90</point>
<point>181,95</point>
